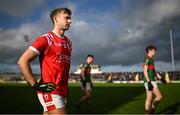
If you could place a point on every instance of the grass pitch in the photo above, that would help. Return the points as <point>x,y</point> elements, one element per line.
<point>107,99</point>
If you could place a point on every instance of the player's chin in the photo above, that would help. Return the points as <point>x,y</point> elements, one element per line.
<point>66,28</point>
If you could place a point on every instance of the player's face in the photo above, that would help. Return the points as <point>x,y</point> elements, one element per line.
<point>90,60</point>
<point>62,20</point>
<point>153,52</point>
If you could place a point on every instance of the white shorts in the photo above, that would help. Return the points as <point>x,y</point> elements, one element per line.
<point>87,87</point>
<point>51,101</point>
<point>152,82</point>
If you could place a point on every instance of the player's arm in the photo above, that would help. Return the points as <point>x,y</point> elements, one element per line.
<point>146,73</point>
<point>83,73</point>
<point>150,86</point>
<point>83,77</point>
<point>24,65</point>
<point>158,76</point>
<point>161,78</point>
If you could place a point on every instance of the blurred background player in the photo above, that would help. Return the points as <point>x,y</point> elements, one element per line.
<point>54,51</point>
<point>149,81</point>
<point>86,83</point>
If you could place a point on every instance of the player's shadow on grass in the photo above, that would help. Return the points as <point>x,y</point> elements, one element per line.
<point>19,99</point>
<point>23,99</point>
<point>172,109</point>
<point>107,99</point>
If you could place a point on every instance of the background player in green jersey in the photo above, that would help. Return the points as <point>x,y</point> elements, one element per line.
<point>86,84</point>
<point>149,81</point>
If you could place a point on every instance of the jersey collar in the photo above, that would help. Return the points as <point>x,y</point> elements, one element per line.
<point>58,35</point>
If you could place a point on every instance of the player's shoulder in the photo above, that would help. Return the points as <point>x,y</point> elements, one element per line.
<point>45,39</point>
<point>43,36</point>
<point>147,59</point>
<point>48,35</point>
<point>84,65</point>
<point>41,39</point>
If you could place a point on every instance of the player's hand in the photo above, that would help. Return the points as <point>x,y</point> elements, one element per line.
<point>163,81</point>
<point>84,83</point>
<point>44,87</point>
<point>150,86</point>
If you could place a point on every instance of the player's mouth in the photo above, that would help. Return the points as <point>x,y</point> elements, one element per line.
<point>68,25</point>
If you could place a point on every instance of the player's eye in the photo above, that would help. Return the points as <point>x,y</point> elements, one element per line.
<point>67,18</point>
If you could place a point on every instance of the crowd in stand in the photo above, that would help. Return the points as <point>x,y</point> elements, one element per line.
<point>106,76</point>
<point>125,76</point>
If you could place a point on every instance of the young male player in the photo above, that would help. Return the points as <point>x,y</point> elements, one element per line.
<point>54,51</point>
<point>149,81</point>
<point>86,84</point>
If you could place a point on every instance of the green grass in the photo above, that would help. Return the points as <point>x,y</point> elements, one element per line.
<point>107,99</point>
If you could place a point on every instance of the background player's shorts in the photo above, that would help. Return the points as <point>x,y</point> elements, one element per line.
<point>87,86</point>
<point>152,82</point>
<point>51,101</point>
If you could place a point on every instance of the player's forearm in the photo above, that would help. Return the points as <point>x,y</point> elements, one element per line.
<point>146,75</point>
<point>26,71</point>
<point>82,76</point>
<point>158,76</point>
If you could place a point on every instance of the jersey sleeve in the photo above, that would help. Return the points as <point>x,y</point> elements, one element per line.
<point>147,61</point>
<point>39,45</point>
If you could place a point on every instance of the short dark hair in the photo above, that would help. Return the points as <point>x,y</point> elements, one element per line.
<point>90,55</point>
<point>58,10</point>
<point>150,47</point>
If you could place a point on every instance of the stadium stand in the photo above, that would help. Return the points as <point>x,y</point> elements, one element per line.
<point>104,77</point>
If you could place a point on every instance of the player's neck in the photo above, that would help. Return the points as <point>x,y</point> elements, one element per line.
<point>60,32</point>
<point>149,55</point>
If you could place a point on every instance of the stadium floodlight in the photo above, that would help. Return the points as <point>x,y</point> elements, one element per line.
<point>170,25</point>
<point>172,48</point>
<point>26,39</point>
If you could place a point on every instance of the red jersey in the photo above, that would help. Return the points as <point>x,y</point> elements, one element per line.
<point>55,57</point>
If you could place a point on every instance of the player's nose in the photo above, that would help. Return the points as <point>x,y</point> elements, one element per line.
<point>69,21</point>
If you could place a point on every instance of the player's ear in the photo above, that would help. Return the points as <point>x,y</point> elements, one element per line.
<point>55,19</point>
